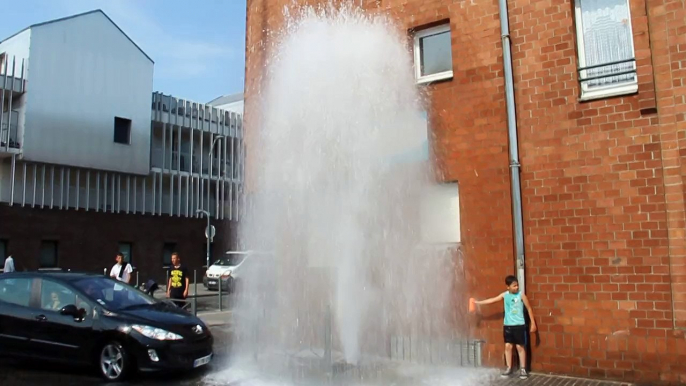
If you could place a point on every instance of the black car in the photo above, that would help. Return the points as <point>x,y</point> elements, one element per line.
<point>94,320</point>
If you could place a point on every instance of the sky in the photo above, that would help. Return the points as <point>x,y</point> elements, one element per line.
<point>198,46</point>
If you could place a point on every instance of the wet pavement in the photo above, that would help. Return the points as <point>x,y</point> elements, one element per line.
<point>26,373</point>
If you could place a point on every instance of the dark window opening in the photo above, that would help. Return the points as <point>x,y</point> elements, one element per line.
<point>167,251</point>
<point>48,254</point>
<point>125,249</point>
<point>3,252</point>
<point>122,130</point>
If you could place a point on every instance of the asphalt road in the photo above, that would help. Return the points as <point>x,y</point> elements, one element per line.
<point>28,373</point>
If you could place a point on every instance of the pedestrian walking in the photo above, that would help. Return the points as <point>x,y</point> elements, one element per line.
<point>179,282</point>
<point>9,265</point>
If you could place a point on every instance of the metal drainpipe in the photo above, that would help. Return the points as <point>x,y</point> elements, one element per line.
<point>513,145</point>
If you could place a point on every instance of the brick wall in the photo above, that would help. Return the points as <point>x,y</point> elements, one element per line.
<point>88,241</point>
<point>602,181</point>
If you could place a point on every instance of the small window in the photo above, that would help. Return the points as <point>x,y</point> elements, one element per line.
<point>122,130</point>
<point>433,56</point>
<point>168,249</point>
<point>48,254</point>
<point>125,249</point>
<point>607,65</point>
<point>54,296</point>
<point>3,252</point>
<point>16,291</point>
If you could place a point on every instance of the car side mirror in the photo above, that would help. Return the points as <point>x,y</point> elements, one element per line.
<point>71,310</point>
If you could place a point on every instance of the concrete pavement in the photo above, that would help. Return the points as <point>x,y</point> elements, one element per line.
<point>220,323</point>
<point>216,318</point>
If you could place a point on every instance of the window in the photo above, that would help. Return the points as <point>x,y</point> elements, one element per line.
<point>15,291</point>
<point>440,214</point>
<point>3,252</point>
<point>125,249</point>
<point>607,66</point>
<point>167,251</point>
<point>54,296</point>
<point>48,254</point>
<point>112,294</point>
<point>122,130</point>
<point>433,57</point>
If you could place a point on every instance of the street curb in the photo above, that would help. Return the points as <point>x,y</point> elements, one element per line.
<point>217,324</point>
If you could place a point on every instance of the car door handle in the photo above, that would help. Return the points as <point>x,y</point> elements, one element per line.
<point>41,318</point>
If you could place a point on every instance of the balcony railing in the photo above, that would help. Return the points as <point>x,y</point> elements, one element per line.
<point>11,76</point>
<point>173,162</point>
<point>9,138</point>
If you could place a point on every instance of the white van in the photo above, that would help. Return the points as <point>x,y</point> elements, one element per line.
<point>232,268</point>
<point>225,271</point>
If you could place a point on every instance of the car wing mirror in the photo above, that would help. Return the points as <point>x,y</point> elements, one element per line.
<point>70,310</point>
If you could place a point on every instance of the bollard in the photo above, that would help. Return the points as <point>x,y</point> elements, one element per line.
<point>137,282</point>
<point>328,343</point>
<point>195,292</point>
<point>220,293</point>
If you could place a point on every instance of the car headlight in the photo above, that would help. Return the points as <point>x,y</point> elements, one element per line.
<point>155,333</point>
<point>226,274</point>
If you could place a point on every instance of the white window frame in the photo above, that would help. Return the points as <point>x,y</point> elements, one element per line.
<point>418,55</point>
<point>610,90</point>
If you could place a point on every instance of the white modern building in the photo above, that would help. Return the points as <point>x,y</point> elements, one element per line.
<point>82,131</point>
<point>232,102</point>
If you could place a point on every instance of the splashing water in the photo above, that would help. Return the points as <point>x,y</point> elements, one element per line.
<point>340,170</point>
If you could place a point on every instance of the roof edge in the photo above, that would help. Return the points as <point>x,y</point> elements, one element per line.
<point>79,15</point>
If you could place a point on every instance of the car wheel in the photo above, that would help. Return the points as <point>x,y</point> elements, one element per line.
<point>114,362</point>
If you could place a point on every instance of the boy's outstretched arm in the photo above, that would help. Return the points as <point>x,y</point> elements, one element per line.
<point>531,312</point>
<point>490,301</point>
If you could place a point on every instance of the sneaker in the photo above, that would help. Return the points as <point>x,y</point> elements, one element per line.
<point>507,373</point>
<point>523,374</point>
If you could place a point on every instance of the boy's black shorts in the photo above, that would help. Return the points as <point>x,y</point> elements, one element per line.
<point>515,335</point>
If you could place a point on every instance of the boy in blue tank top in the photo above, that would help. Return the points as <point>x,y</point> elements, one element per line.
<point>514,325</point>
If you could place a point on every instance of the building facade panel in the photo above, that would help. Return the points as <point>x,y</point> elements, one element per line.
<point>79,82</point>
<point>89,241</point>
<point>602,172</point>
<point>17,46</point>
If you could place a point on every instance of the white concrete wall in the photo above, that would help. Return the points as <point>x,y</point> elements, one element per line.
<point>236,107</point>
<point>17,47</point>
<point>84,72</point>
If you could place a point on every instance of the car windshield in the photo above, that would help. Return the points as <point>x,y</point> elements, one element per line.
<point>113,294</point>
<point>230,260</point>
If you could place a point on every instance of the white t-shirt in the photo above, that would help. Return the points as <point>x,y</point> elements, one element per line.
<point>9,265</point>
<point>125,276</point>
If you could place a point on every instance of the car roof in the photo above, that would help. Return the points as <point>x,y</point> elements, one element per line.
<point>59,275</point>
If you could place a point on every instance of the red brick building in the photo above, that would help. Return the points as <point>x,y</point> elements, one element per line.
<point>602,150</point>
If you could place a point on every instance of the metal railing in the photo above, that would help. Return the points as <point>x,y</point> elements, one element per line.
<point>9,136</point>
<point>607,71</point>
<point>199,298</point>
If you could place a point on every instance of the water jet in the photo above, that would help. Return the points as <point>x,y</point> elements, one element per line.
<point>343,179</point>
